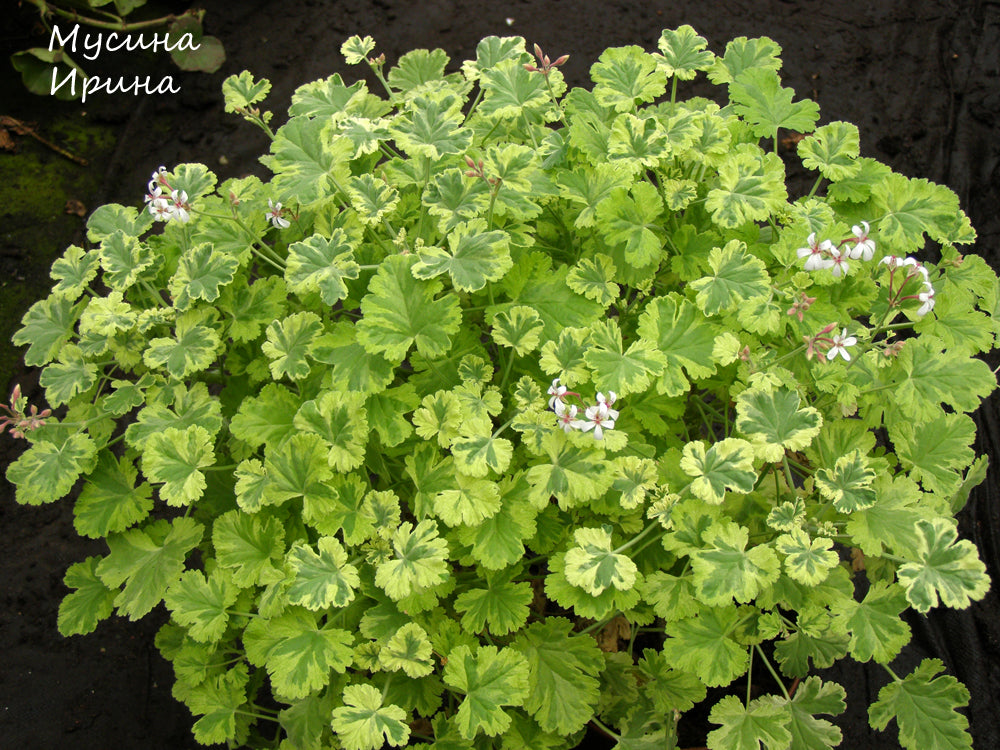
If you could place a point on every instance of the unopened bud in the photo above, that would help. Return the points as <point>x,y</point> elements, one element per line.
<point>560,60</point>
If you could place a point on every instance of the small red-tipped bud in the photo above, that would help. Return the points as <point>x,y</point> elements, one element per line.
<point>468,160</point>
<point>560,60</point>
<point>828,329</point>
<point>530,68</point>
<point>470,173</point>
<point>538,52</point>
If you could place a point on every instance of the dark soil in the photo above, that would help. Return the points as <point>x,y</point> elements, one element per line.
<point>920,78</point>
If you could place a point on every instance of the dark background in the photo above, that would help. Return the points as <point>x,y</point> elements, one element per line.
<point>920,78</point>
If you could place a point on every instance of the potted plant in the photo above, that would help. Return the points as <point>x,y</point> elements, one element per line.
<point>503,410</point>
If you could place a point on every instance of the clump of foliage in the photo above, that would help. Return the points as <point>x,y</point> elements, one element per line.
<point>502,410</point>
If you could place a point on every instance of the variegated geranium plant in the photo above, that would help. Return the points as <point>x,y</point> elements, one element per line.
<point>503,409</point>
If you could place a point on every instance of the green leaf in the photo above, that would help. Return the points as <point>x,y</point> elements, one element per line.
<point>763,723</point>
<point>419,560</point>
<point>148,561</point>
<point>250,547</point>
<point>308,165</point>
<point>288,342</point>
<point>812,697</point>
<point>372,200</point>
<point>593,566</point>
<point>340,419</point>
<point>363,723</point>
<point>848,485</point>
<point>502,605</point>
<point>108,219</point>
<point>572,474</point>
<point>46,326</point>
<point>74,271</point>
<point>249,307</point>
<point>937,451</point>
<point>193,349</point>
<point>832,150</point>
<point>352,367</point>
<point>923,376</point>
<point>684,53</point>
<point>726,465</point>
<point>408,649</point>
<point>176,457</point>
<point>267,418</point>
<point>242,91</point>
<point>355,49</point>
<point>453,197</point>
<point>81,610</point>
<point>298,653</point>
<point>218,700</point>
<point>201,272</point>
<point>616,369</point>
<point>626,76</point>
<point>874,625</point>
<point>744,54</point>
<point>751,188</point>
<point>68,377</point>
<point>45,72</point>
<point>510,91</point>
<point>490,679</point>
<point>431,129</point>
<point>475,257</point>
<point>945,567</point>
<point>759,98</point>
<point>324,579</point>
<point>46,471</point>
<point>725,570</point>
<point>634,222</point>
<point>109,501</point>
<point>519,327</point>
<point>737,276</point>
<point>677,330</point>
<point>416,68</point>
<point>563,688</point>
<point>924,707</point>
<point>400,311</point>
<point>807,561</point>
<point>774,422</point>
<point>911,208</point>
<point>124,258</point>
<point>329,98</point>
<point>477,455</point>
<point>703,645</point>
<point>592,277</point>
<point>200,604</point>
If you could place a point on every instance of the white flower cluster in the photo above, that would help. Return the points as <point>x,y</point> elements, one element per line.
<point>926,296</point>
<point>164,202</point>
<point>823,255</point>
<point>598,417</point>
<point>273,215</point>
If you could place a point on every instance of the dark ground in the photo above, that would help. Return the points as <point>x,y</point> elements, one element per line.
<point>920,78</point>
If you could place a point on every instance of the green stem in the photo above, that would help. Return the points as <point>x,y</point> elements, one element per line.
<point>604,728</point>
<point>749,678</point>
<point>773,673</point>
<point>121,25</point>
<point>788,473</point>
<point>638,537</point>
<point>815,186</point>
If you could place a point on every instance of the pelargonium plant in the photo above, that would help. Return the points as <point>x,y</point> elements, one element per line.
<point>503,410</point>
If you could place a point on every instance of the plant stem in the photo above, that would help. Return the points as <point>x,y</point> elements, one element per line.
<point>120,25</point>
<point>773,673</point>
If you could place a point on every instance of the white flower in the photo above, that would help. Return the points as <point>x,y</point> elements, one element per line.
<point>864,247</point>
<point>596,418</point>
<point>566,414</point>
<point>160,208</point>
<point>557,392</point>
<point>840,341</point>
<point>927,297</point>
<point>894,261</point>
<point>273,214</point>
<point>607,403</point>
<point>179,206</point>
<point>816,253</point>
<point>837,263</point>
